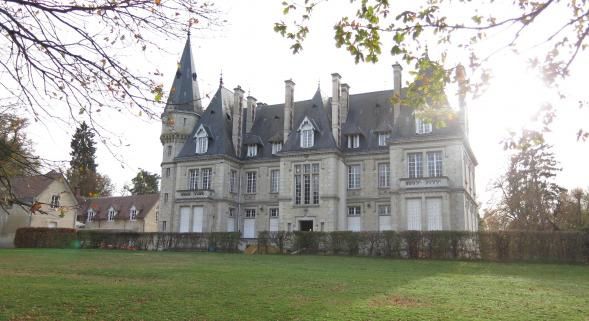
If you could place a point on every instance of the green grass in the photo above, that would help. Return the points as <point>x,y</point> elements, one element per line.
<point>120,285</point>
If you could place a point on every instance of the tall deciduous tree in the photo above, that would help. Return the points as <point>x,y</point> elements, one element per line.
<point>57,53</point>
<point>445,24</point>
<point>529,195</point>
<point>145,183</point>
<point>82,173</point>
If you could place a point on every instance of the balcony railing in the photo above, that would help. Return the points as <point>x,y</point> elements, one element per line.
<point>195,194</point>
<point>424,182</point>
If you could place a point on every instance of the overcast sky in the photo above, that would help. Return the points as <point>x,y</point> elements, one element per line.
<point>251,55</point>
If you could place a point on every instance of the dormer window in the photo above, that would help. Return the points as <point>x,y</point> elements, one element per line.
<point>111,215</point>
<point>353,141</point>
<point>382,139</point>
<point>202,140</point>
<point>276,147</point>
<point>307,134</point>
<point>252,150</point>
<point>133,214</point>
<point>422,127</point>
<point>90,215</point>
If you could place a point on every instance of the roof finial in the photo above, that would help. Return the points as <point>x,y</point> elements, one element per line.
<point>319,84</point>
<point>221,79</point>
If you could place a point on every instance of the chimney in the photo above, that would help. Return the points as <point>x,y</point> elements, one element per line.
<point>397,70</point>
<point>250,113</point>
<point>335,107</point>
<point>462,90</point>
<point>288,107</point>
<point>236,119</point>
<point>344,103</point>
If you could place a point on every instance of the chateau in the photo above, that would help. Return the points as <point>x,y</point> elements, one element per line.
<point>347,162</point>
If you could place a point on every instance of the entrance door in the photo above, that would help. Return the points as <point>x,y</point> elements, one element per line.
<point>384,223</point>
<point>354,223</point>
<point>249,228</point>
<point>434,213</point>
<point>306,226</point>
<point>197,219</point>
<point>184,219</point>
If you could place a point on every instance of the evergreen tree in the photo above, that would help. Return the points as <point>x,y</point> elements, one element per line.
<point>82,174</point>
<point>145,183</point>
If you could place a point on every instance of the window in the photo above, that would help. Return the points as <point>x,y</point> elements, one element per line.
<point>382,139</point>
<point>434,163</point>
<point>157,214</point>
<point>206,178</point>
<point>274,212</point>
<point>233,181</point>
<point>231,212</point>
<point>353,141</point>
<point>415,165</point>
<point>250,213</point>
<point>133,214</point>
<point>90,215</point>
<point>354,210</point>
<point>434,213</point>
<point>307,184</point>
<point>251,182</point>
<point>164,226</point>
<point>165,197</point>
<point>384,210</point>
<point>413,207</point>
<point>202,141</point>
<point>169,150</point>
<point>193,175</point>
<point>54,201</point>
<point>276,147</point>
<point>422,127</point>
<point>252,150</point>
<point>111,215</point>
<point>353,176</point>
<point>274,181</point>
<point>307,134</point>
<point>167,172</point>
<point>384,174</point>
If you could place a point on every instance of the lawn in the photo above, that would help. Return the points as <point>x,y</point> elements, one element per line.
<point>120,285</point>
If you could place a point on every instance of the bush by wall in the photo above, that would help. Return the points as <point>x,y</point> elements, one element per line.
<point>45,237</point>
<point>503,246</point>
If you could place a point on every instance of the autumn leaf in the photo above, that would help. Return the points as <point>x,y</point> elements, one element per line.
<point>158,2</point>
<point>35,207</point>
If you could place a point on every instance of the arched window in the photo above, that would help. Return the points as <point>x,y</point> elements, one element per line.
<point>202,141</point>
<point>133,214</point>
<point>307,134</point>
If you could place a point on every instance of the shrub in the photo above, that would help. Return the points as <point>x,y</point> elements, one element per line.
<point>45,237</point>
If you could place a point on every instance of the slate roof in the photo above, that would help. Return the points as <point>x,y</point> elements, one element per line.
<point>121,204</point>
<point>218,124</point>
<point>267,127</point>
<point>317,113</point>
<point>185,94</point>
<point>26,188</point>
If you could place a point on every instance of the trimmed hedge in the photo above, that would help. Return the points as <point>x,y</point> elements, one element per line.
<point>502,246</point>
<point>93,239</point>
<point>45,237</point>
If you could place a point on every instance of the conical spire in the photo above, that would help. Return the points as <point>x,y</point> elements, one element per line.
<point>185,94</point>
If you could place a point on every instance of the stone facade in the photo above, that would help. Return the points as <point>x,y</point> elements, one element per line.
<point>58,205</point>
<point>345,162</point>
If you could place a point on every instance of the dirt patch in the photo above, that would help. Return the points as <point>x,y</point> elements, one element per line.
<point>398,301</point>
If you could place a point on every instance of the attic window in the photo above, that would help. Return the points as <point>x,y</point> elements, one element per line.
<point>90,216</point>
<point>193,76</point>
<point>178,74</point>
<point>354,141</point>
<point>382,139</point>
<point>307,134</point>
<point>133,214</point>
<point>422,127</point>
<point>202,140</point>
<point>252,150</point>
<point>276,147</point>
<point>111,215</point>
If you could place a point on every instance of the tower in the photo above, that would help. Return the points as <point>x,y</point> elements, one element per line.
<point>182,112</point>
